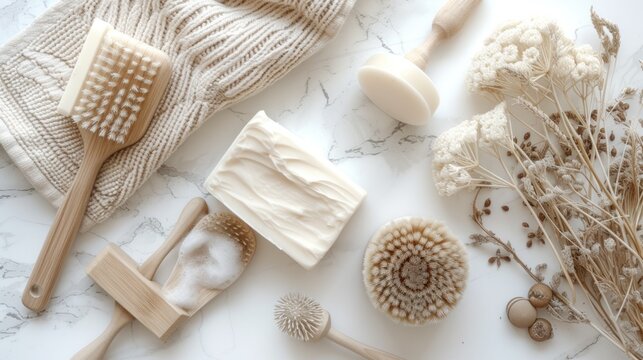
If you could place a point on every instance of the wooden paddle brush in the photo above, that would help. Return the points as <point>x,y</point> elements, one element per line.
<point>112,94</point>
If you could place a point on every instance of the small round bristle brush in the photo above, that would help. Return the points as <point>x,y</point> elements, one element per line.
<point>304,319</point>
<point>112,94</point>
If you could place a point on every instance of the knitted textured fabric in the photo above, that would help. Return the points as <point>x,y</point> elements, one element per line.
<point>222,52</point>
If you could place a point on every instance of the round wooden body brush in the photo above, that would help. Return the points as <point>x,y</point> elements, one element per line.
<point>414,270</point>
<point>304,319</point>
<point>398,84</point>
<point>112,94</point>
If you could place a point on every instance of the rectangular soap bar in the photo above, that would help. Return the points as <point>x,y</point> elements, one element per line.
<point>296,199</point>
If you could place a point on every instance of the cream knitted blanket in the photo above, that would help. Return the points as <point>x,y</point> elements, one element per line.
<point>222,52</point>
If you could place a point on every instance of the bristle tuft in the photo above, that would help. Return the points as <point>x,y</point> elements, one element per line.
<point>114,90</point>
<point>299,316</point>
<point>414,270</point>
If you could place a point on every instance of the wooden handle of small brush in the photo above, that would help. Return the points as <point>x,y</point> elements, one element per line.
<point>192,212</point>
<point>446,22</point>
<point>368,352</point>
<point>62,233</point>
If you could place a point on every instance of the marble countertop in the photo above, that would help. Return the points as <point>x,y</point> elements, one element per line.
<point>319,101</point>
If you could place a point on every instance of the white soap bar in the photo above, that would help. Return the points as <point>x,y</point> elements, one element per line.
<point>297,200</point>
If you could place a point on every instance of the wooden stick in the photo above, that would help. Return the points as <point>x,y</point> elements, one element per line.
<point>446,22</point>
<point>193,211</point>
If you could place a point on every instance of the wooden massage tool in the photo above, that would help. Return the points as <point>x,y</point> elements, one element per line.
<point>398,84</point>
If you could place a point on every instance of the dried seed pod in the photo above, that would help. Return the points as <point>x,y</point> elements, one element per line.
<point>414,270</point>
<point>541,330</point>
<point>521,313</point>
<point>540,295</point>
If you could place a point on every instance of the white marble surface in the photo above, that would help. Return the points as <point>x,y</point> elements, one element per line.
<point>319,101</point>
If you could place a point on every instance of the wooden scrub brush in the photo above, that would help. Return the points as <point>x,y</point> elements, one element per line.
<point>112,94</point>
<point>304,319</point>
<point>414,270</point>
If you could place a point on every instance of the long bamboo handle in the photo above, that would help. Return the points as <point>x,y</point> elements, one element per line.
<point>62,233</point>
<point>448,21</point>
<point>192,212</point>
<point>368,352</point>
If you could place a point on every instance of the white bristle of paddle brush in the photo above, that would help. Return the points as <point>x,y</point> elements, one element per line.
<point>299,316</point>
<point>109,84</point>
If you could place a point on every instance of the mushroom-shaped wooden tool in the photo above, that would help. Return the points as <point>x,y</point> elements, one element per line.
<point>398,84</point>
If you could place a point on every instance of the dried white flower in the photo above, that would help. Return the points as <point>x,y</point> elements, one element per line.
<point>567,179</point>
<point>528,186</point>
<point>568,259</point>
<point>530,49</point>
<point>516,47</point>
<point>454,142</point>
<point>630,271</point>
<point>450,179</point>
<point>610,244</point>
<point>456,150</point>
<point>581,63</point>
<point>493,126</point>
<point>552,194</point>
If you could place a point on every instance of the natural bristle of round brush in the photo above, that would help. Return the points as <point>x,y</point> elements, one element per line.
<point>229,224</point>
<point>299,316</point>
<point>114,90</point>
<point>414,270</point>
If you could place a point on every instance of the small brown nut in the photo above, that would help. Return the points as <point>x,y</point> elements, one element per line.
<point>541,330</point>
<point>540,295</point>
<point>521,313</point>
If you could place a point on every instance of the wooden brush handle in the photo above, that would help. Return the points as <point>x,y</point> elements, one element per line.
<point>192,212</point>
<point>63,232</point>
<point>368,352</point>
<point>446,22</point>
